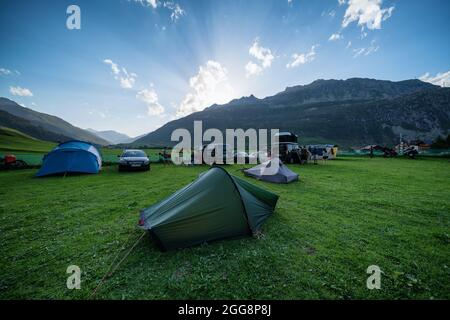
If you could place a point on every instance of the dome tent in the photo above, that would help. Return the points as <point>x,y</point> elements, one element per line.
<point>71,156</point>
<point>214,206</point>
<point>264,172</point>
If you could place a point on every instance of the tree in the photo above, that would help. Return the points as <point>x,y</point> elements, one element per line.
<point>441,143</point>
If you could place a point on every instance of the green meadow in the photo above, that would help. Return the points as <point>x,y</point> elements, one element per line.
<point>13,140</point>
<point>32,150</point>
<point>341,217</point>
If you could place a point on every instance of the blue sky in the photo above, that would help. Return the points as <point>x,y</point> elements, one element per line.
<point>136,64</point>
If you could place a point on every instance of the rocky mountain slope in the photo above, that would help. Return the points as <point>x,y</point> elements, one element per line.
<point>344,112</point>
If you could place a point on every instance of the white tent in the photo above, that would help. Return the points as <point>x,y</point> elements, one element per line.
<point>272,171</point>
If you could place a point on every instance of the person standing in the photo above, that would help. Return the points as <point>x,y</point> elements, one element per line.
<point>165,156</point>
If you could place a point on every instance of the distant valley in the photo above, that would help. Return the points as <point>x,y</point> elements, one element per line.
<point>113,137</point>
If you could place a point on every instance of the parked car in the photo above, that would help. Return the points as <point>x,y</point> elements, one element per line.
<point>134,160</point>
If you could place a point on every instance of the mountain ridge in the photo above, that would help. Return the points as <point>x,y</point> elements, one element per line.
<point>43,125</point>
<point>112,136</point>
<point>345,112</point>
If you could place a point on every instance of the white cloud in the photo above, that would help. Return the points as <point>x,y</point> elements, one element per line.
<point>441,79</point>
<point>127,83</point>
<point>210,85</point>
<point>150,97</point>
<point>358,52</point>
<point>125,79</point>
<point>335,36</point>
<point>7,72</point>
<point>331,13</point>
<point>148,3</point>
<point>367,13</point>
<point>299,59</point>
<point>177,11</point>
<point>366,51</point>
<point>341,2</point>
<point>264,55</point>
<point>18,91</point>
<point>349,44</point>
<point>253,69</point>
<point>114,66</point>
<point>153,3</point>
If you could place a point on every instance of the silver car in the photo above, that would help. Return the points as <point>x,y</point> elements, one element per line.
<point>133,160</point>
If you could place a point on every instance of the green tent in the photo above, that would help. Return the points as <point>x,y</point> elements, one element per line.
<point>215,206</point>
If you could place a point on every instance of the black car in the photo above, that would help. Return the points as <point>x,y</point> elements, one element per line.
<point>134,160</point>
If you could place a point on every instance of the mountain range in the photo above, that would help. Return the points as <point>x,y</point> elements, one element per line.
<point>349,112</point>
<point>41,125</point>
<point>113,137</point>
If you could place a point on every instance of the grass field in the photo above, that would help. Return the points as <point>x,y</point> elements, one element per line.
<point>13,140</point>
<point>327,229</point>
<point>32,150</point>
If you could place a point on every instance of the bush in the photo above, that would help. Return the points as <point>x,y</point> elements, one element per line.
<point>441,143</point>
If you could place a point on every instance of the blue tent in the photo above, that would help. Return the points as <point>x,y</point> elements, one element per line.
<point>71,156</point>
